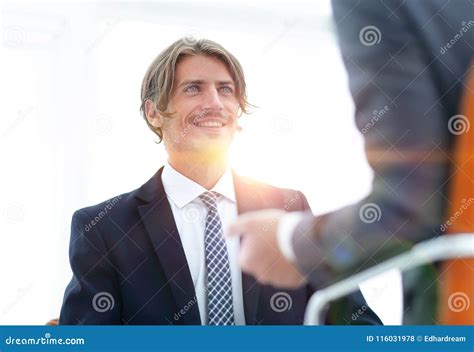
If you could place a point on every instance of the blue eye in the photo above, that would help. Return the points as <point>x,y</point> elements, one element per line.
<point>227,89</point>
<point>192,88</point>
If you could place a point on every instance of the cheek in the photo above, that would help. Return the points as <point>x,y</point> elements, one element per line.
<point>182,110</point>
<point>187,114</point>
<point>233,108</point>
<point>179,120</point>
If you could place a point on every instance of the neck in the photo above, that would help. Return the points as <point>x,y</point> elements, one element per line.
<point>203,170</point>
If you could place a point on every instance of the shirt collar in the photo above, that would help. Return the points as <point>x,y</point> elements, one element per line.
<point>182,190</point>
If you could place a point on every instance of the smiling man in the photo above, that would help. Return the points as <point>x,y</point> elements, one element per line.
<point>158,254</point>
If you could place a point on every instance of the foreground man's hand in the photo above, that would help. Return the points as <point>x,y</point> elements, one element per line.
<point>260,254</point>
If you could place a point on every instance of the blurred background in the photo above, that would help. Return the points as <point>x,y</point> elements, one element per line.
<point>71,134</point>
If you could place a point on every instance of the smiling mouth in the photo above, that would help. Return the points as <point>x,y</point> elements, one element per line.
<point>209,124</point>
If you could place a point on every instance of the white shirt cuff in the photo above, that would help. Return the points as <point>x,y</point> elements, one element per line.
<point>285,229</point>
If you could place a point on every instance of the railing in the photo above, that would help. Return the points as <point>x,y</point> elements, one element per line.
<point>440,248</point>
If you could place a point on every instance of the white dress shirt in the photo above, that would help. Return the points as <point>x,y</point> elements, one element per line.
<point>190,217</point>
<point>285,229</point>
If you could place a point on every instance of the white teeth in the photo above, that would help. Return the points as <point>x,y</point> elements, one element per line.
<point>210,124</point>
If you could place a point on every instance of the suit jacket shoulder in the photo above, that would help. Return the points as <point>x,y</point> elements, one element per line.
<point>254,195</point>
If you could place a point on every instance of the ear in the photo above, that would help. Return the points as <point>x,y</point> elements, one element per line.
<point>152,115</point>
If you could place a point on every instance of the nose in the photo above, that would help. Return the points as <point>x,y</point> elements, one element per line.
<point>213,100</point>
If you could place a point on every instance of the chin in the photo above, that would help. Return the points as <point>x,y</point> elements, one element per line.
<point>215,146</point>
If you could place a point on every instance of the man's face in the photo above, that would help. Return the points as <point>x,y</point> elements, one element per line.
<point>204,107</point>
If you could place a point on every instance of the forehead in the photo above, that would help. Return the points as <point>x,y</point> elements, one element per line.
<point>200,67</point>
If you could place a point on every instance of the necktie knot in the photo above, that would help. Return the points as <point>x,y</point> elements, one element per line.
<point>209,198</point>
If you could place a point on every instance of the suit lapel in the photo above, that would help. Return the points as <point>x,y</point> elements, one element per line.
<point>158,219</point>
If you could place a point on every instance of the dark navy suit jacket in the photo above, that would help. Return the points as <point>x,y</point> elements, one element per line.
<point>129,266</point>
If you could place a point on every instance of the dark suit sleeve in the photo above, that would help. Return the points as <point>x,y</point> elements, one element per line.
<point>396,95</point>
<point>92,295</point>
<point>344,311</point>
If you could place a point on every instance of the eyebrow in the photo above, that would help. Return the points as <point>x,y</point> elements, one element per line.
<point>201,82</point>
